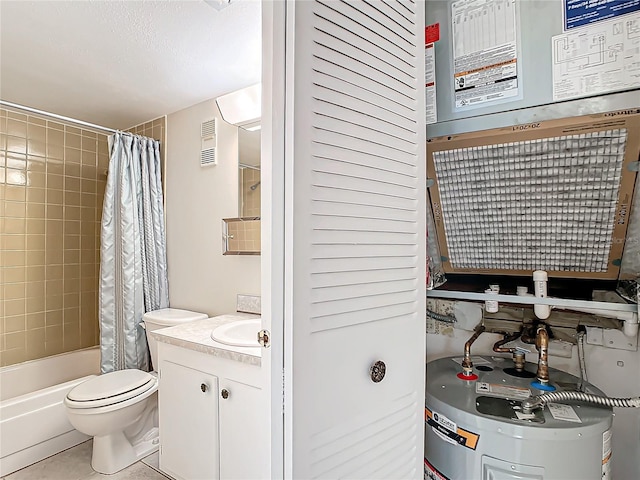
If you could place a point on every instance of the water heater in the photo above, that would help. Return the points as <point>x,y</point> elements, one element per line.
<point>477,429</point>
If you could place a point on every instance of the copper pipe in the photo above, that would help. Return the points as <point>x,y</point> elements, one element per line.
<point>467,364</point>
<point>542,344</point>
<point>497,347</point>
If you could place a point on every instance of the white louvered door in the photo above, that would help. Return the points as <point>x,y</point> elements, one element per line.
<point>354,239</point>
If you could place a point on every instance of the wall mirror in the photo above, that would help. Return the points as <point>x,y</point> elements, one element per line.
<point>241,235</point>
<point>248,173</point>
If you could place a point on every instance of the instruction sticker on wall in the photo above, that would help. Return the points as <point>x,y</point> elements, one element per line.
<point>597,58</point>
<point>430,83</point>
<point>484,51</point>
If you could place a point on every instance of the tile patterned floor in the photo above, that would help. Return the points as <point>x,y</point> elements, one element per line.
<point>75,464</point>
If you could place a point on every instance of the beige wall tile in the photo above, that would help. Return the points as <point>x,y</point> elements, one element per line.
<point>11,357</point>
<point>14,291</point>
<point>52,170</point>
<point>35,304</point>
<point>15,258</point>
<point>36,179</point>
<point>36,343</point>
<point>55,137</point>
<point>55,182</point>
<point>89,144</point>
<point>54,287</point>
<point>14,323</point>
<point>55,152</point>
<point>14,193</point>
<point>14,274</point>
<point>16,128</point>
<point>16,115</point>
<point>71,169</point>
<point>14,242</point>
<point>35,242</point>
<point>37,132</point>
<point>15,340</point>
<point>34,120</point>
<point>14,307</point>
<point>36,226</point>
<point>35,320</point>
<point>35,210</point>
<point>53,318</point>
<point>72,141</point>
<point>35,289</point>
<point>36,195</point>
<point>36,148</point>
<point>55,272</point>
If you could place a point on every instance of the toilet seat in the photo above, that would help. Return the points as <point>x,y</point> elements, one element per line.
<point>111,388</point>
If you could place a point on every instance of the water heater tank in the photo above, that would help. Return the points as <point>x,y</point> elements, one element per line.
<point>476,430</point>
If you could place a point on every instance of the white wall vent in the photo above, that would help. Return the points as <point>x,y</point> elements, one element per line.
<point>209,143</point>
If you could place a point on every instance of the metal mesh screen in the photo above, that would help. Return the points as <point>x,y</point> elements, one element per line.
<point>541,204</point>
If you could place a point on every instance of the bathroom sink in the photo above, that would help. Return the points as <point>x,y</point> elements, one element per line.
<point>241,333</point>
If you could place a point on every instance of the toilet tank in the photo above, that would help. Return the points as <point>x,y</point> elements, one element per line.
<point>163,318</point>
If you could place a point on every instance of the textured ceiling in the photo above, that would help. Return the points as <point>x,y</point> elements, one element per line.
<point>120,63</point>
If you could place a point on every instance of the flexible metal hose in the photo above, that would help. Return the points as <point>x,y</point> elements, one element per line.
<point>535,402</point>
<point>581,360</point>
<point>441,318</point>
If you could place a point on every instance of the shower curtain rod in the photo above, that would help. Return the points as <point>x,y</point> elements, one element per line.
<point>56,116</point>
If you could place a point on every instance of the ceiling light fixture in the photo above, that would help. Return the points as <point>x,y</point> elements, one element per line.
<point>242,107</point>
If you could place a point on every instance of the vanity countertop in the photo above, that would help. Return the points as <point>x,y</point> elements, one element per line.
<point>197,336</point>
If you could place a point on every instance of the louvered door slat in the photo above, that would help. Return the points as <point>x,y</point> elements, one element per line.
<point>340,167</point>
<point>349,143</point>
<point>369,162</point>
<point>336,195</point>
<point>363,315</point>
<point>374,19</point>
<point>353,24</point>
<point>374,65</point>
<point>352,96</point>
<point>355,74</point>
<point>355,184</point>
<point>345,279</point>
<point>349,111</point>
<point>341,34</point>
<point>357,232</point>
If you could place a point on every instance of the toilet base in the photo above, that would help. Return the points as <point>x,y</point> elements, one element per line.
<point>112,453</point>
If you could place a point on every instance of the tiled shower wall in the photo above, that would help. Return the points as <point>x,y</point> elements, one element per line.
<point>250,198</point>
<point>52,181</point>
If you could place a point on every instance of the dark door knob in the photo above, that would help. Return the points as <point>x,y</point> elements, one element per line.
<point>377,371</point>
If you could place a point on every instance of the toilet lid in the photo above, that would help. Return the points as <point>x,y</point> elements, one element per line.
<point>122,384</point>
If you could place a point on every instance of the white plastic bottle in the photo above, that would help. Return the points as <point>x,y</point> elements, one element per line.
<point>540,278</point>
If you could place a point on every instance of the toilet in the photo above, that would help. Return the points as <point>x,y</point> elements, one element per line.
<point>120,409</point>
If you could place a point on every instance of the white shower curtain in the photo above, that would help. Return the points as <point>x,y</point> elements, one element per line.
<point>133,264</point>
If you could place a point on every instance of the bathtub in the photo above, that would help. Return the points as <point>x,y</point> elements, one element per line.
<point>33,420</point>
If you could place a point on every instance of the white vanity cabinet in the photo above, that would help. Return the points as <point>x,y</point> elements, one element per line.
<point>210,426</point>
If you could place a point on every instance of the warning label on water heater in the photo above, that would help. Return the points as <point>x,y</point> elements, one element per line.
<point>606,455</point>
<point>502,391</point>
<point>432,473</point>
<point>449,431</point>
